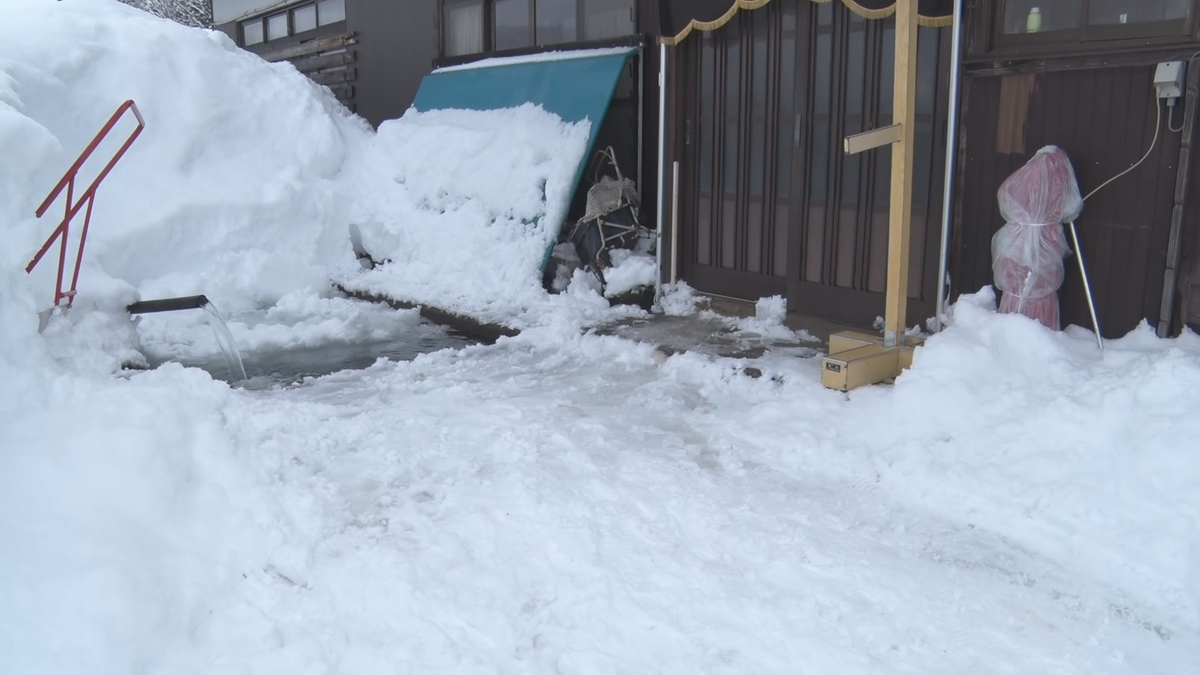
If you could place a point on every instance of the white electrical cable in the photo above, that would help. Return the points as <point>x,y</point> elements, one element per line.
<point>1171,112</point>
<point>1157,128</point>
<point>1170,116</point>
<point>1075,236</point>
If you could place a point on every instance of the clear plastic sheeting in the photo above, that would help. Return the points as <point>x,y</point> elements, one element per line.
<point>1027,253</point>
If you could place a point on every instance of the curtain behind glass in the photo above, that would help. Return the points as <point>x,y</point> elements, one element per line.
<point>512,25</point>
<point>555,21</point>
<point>607,19</point>
<point>463,27</point>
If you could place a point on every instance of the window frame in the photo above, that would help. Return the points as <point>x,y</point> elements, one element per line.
<point>532,42</point>
<point>489,18</point>
<point>289,11</point>
<point>443,24</point>
<point>1088,37</point>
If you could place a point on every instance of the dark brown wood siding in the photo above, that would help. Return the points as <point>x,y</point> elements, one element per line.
<point>395,44</point>
<point>1105,120</point>
<point>734,180</point>
<point>770,203</point>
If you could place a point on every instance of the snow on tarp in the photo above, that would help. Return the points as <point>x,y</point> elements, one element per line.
<point>462,205</point>
<point>540,57</point>
<point>577,87</point>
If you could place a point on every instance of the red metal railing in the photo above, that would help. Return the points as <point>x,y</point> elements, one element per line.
<point>87,197</point>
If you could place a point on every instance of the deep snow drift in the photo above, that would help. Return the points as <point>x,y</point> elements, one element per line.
<point>250,182</point>
<point>555,503</point>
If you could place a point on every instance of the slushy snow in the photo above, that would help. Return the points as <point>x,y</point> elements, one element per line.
<point>557,502</point>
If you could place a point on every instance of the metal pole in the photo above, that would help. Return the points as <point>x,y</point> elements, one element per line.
<point>951,151</point>
<point>674,221</point>
<point>641,98</point>
<point>662,159</point>
<point>1087,288</point>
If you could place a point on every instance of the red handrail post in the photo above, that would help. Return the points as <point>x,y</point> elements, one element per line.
<point>88,196</point>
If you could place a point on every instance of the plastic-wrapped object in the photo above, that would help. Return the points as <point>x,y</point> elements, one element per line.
<point>1027,253</point>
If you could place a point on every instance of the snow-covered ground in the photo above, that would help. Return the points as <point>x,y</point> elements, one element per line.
<point>559,502</point>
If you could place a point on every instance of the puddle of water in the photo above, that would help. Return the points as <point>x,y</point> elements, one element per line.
<point>266,369</point>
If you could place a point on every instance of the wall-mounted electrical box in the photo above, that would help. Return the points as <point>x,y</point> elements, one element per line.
<point>1168,79</point>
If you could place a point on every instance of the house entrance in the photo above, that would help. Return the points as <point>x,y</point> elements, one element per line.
<point>769,202</point>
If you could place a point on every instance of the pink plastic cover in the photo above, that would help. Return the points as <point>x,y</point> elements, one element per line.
<point>1027,253</point>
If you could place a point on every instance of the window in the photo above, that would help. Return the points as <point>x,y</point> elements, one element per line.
<point>1040,16</point>
<point>1080,21</point>
<point>473,26</point>
<point>331,11</point>
<point>513,24</point>
<point>1101,12</point>
<point>556,21</point>
<point>277,26</point>
<point>252,32</point>
<point>1113,20</point>
<point>304,18</point>
<point>293,21</point>
<point>607,18</point>
<point>463,26</point>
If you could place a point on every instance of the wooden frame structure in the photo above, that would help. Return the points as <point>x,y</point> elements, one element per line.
<point>856,359</point>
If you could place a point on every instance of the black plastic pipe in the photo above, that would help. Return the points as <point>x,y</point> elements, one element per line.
<point>167,304</point>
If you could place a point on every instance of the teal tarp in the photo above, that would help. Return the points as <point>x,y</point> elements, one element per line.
<point>574,88</point>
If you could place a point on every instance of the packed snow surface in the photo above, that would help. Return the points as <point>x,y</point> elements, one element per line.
<point>557,502</point>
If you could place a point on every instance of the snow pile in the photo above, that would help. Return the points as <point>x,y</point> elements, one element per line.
<point>124,511</point>
<point>460,203</point>
<point>680,299</point>
<point>586,506</point>
<point>768,321</point>
<point>249,181</point>
<point>771,309</point>
<point>632,270</point>
<point>227,192</point>
<point>1083,456</point>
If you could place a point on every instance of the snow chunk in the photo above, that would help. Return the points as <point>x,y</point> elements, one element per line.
<point>630,271</point>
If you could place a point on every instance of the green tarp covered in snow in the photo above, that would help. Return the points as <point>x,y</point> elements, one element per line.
<point>573,85</point>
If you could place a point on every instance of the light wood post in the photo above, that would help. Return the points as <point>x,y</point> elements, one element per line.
<point>900,221</point>
<point>855,359</point>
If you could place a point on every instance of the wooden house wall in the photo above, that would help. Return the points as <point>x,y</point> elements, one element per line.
<point>1100,108</point>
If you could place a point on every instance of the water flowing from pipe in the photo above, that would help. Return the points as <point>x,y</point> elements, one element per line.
<point>233,358</point>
